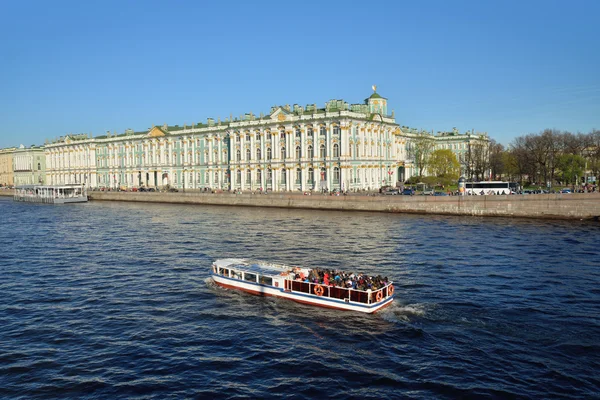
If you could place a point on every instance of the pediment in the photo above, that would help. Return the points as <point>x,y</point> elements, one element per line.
<point>280,114</point>
<point>156,132</point>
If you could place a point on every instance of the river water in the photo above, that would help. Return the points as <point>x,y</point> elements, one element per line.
<point>114,300</point>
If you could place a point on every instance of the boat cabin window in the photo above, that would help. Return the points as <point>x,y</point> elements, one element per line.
<point>250,277</point>
<point>266,280</point>
<point>236,274</point>
<point>224,271</point>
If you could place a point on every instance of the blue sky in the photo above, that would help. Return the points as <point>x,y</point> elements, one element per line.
<point>505,67</point>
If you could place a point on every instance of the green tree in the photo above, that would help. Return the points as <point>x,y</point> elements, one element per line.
<point>443,164</point>
<point>570,166</point>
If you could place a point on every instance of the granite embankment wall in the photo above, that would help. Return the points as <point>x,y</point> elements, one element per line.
<point>551,206</point>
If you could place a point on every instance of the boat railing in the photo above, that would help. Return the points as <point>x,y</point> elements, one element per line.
<point>348,294</point>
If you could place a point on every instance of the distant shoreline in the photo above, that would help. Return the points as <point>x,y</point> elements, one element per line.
<point>576,206</point>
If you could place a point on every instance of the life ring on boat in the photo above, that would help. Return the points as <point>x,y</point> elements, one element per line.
<point>391,290</point>
<point>379,296</point>
<point>319,290</point>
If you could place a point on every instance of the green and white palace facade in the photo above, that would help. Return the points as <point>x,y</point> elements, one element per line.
<point>341,146</point>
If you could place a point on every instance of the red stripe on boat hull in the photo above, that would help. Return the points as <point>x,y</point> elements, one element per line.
<point>257,293</point>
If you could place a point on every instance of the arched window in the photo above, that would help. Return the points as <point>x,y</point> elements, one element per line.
<point>248,176</point>
<point>311,152</point>
<point>283,176</point>
<point>311,175</point>
<point>258,154</point>
<point>283,152</point>
<point>310,133</point>
<point>336,130</point>
<point>322,151</point>
<point>247,137</point>
<point>239,176</point>
<point>298,153</point>
<point>259,176</point>
<point>269,175</point>
<point>298,175</point>
<point>336,150</point>
<point>248,154</point>
<point>336,175</point>
<point>269,153</point>
<point>282,135</point>
<point>323,131</point>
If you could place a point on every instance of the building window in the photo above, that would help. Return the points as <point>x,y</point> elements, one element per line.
<point>336,150</point>
<point>336,175</point>
<point>323,174</point>
<point>311,152</point>
<point>283,153</point>
<point>248,155</point>
<point>39,167</point>
<point>311,175</point>
<point>322,151</point>
<point>298,134</point>
<point>237,138</point>
<point>336,130</point>
<point>282,136</point>
<point>269,136</point>
<point>247,137</point>
<point>259,176</point>
<point>238,155</point>
<point>258,154</point>
<point>283,176</point>
<point>323,131</point>
<point>298,175</point>
<point>269,175</point>
<point>298,153</point>
<point>248,176</point>
<point>269,153</point>
<point>310,133</point>
<point>239,176</point>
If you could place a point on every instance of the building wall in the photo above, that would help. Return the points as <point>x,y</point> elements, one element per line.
<point>341,146</point>
<point>29,165</point>
<point>7,174</point>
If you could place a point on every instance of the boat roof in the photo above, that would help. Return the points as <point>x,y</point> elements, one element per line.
<point>257,267</point>
<point>48,186</point>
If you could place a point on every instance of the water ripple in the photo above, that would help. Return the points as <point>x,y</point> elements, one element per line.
<point>113,300</point>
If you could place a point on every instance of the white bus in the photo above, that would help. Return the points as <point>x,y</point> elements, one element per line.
<point>491,187</point>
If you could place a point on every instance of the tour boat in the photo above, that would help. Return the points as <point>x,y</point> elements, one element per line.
<point>51,194</point>
<point>268,279</point>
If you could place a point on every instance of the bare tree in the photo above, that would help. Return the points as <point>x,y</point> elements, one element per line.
<point>420,148</point>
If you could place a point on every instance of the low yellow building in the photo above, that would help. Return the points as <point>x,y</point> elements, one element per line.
<point>7,174</point>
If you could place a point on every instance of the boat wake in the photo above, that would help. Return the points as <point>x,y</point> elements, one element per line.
<point>404,312</point>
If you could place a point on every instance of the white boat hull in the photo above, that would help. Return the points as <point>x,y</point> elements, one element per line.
<point>300,297</point>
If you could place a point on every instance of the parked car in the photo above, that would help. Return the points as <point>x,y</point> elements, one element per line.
<point>142,189</point>
<point>565,190</point>
<point>440,194</point>
<point>173,190</point>
<point>392,192</point>
<point>151,190</point>
<point>408,192</point>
